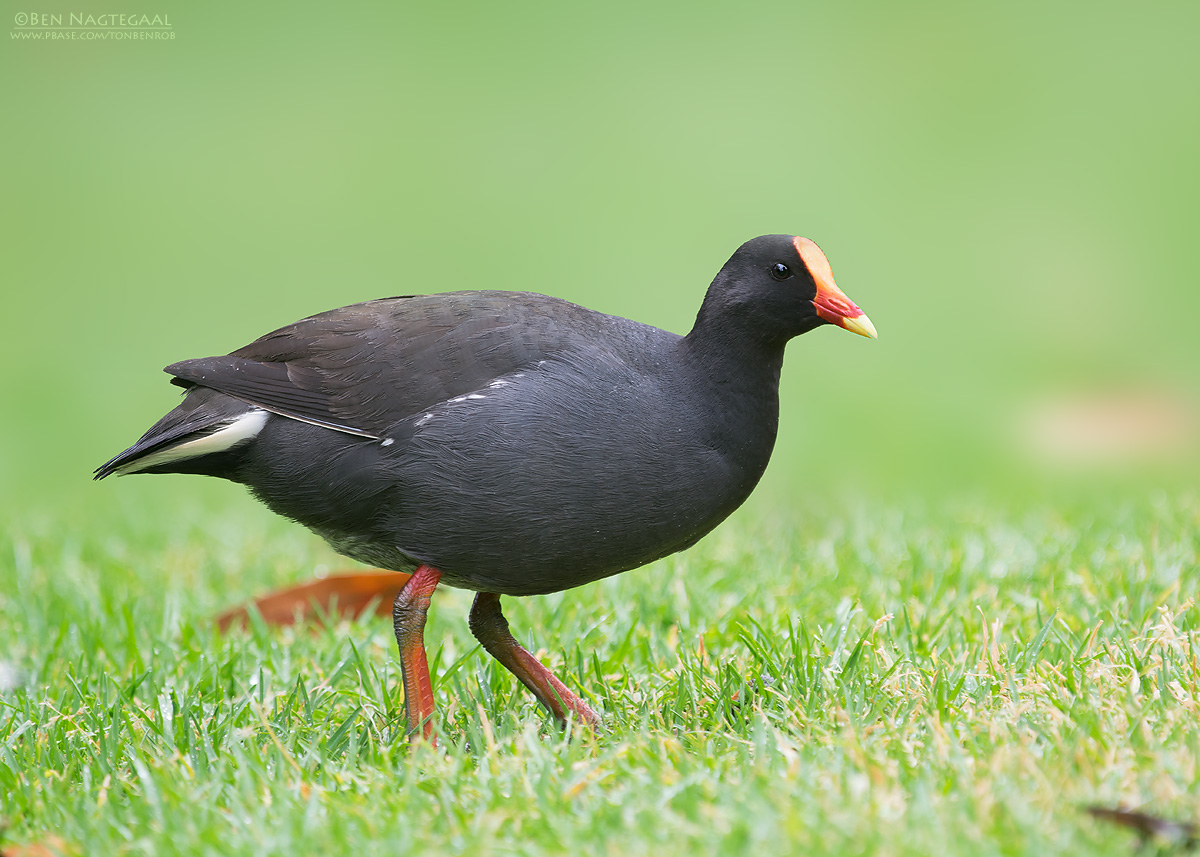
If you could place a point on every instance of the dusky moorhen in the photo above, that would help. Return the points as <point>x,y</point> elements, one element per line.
<point>504,442</point>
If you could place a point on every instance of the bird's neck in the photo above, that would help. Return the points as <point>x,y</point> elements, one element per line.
<point>742,374</point>
<point>736,352</point>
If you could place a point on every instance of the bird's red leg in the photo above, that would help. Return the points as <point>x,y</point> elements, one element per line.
<point>491,629</point>
<point>408,618</point>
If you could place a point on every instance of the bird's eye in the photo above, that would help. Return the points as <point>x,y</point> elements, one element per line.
<point>780,271</point>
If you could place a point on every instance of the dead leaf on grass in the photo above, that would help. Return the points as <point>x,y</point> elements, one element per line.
<point>347,594</point>
<point>1148,826</point>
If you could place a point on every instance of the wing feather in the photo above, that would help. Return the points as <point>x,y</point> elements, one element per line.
<point>364,368</point>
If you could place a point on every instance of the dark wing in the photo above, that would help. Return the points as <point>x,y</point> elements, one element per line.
<point>363,368</point>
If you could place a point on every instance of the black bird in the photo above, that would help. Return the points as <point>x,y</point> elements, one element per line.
<point>504,442</point>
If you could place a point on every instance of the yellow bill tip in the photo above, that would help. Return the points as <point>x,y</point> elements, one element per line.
<point>861,325</point>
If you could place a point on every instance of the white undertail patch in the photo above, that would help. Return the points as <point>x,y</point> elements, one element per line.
<point>239,430</point>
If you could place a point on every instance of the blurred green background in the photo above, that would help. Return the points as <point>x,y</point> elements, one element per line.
<point>1009,191</point>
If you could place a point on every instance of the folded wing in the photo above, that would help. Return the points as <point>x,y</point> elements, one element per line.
<point>363,368</point>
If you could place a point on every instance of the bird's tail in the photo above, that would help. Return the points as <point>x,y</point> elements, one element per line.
<point>205,424</point>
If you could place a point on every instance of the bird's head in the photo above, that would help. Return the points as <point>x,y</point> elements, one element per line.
<point>780,286</point>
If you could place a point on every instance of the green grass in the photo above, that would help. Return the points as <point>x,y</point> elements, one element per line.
<point>1008,191</point>
<point>854,678</point>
